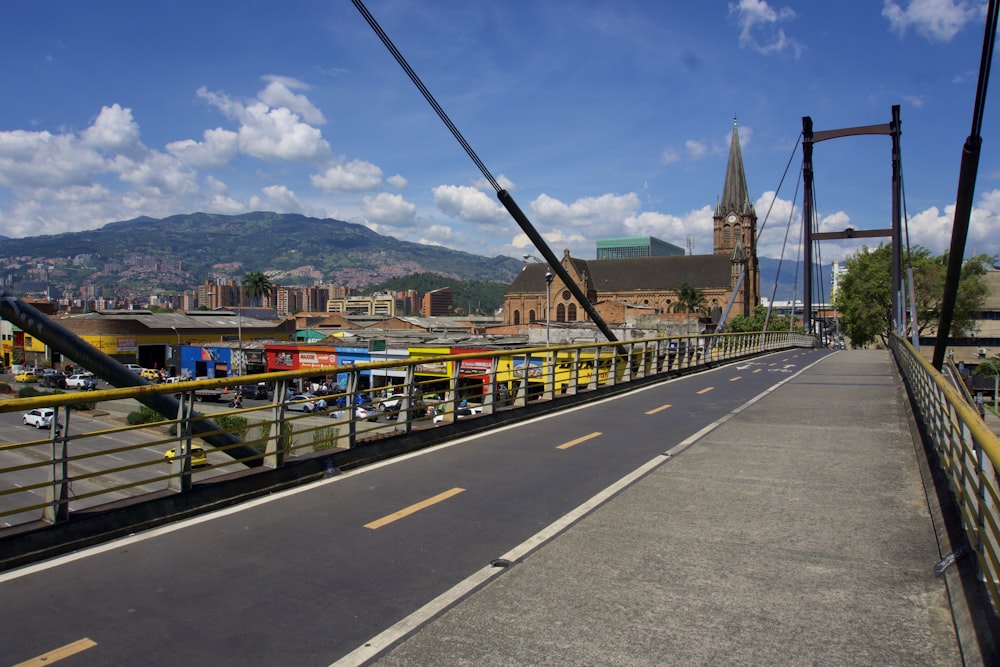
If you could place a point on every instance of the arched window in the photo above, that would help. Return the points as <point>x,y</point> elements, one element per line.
<point>560,313</point>
<point>571,313</point>
<point>517,317</point>
<point>737,232</point>
<point>531,316</point>
<point>726,234</point>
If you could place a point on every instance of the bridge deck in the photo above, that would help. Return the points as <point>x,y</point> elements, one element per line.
<point>796,532</point>
<point>795,528</point>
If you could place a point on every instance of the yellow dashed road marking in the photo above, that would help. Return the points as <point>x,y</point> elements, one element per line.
<point>571,443</point>
<point>706,390</point>
<point>60,653</point>
<point>655,410</point>
<point>416,507</point>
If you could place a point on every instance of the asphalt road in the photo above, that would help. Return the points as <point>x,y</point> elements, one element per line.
<point>305,577</point>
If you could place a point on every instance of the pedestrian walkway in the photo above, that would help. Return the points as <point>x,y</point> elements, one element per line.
<point>796,532</point>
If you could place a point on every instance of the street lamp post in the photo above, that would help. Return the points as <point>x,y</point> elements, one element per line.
<point>549,276</point>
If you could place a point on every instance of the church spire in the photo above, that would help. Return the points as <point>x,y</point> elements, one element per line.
<point>734,191</point>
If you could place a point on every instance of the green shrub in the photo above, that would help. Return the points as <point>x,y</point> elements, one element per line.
<point>324,438</point>
<point>235,424</point>
<point>145,415</point>
<point>6,388</point>
<point>27,392</point>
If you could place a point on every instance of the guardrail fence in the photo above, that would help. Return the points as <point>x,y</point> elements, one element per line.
<point>967,451</point>
<point>95,451</point>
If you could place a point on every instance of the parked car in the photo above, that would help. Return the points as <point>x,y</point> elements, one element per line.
<point>135,368</point>
<point>257,391</point>
<point>359,399</point>
<point>52,378</point>
<point>83,381</point>
<point>301,403</point>
<point>361,413</point>
<point>198,456</point>
<point>459,413</point>
<point>26,376</point>
<point>394,402</point>
<point>150,374</point>
<point>39,417</point>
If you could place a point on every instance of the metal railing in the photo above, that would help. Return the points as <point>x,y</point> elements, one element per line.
<point>100,448</point>
<point>967,452</point>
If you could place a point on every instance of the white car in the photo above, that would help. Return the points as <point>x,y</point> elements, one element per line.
<point>135,368</point>
<point>459,413</point>
<point>360,413</point>
<point>302,403</point>
<point>81,381</point>
<point>39,417</point>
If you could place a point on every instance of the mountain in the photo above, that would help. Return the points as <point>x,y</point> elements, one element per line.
<point>180,252</point>
<point>292,249</point>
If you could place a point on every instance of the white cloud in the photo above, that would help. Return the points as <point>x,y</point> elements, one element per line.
<point>281,198</point>
<point>354,176</point>
<point>397,182</point>
<point>669,156</point>
<point>278,93</point>
<point>269,132</point>
<point>936,20</point>
<point>501,180</point>
<point>158,174</point>
<point>442,235</point>
<point>278,134</point>
<point>42,159</point>
<point>217,149</point>
<point>759,29</point>
<point>469,204</point>
<point>114,131</point>
<point>389,209</point>
<point>695,149</point>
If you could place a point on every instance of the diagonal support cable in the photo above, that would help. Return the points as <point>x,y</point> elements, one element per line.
<point>505,198</point>
<point>966,190</point>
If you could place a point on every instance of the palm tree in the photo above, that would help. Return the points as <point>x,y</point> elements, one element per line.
<point>690,299</point>
<point>257,286</point>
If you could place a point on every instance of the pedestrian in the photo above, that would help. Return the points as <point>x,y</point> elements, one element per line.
<point>980,406</point>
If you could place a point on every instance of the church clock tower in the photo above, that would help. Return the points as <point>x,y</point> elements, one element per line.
<point>736,230</point>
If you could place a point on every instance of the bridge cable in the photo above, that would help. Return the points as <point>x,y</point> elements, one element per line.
<point>784,246</point>
<point>818,248</point>
<point>967,175</point>
<point>760,230</point>
<point>505,198</point>
<point>426,93</point>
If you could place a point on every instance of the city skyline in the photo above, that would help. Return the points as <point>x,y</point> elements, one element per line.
<point>602,119</point>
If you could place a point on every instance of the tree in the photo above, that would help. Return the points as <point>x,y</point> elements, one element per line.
<point>690,299</point>
<point>742,323</point>
<point>865,297</point>
<point>257,286</point>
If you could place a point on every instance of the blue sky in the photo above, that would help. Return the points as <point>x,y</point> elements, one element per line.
<point>603,118</point>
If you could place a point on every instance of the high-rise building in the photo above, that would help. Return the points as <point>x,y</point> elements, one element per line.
<point>630,247</point>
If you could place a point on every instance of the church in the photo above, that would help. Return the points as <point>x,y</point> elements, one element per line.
<point>651,285</point>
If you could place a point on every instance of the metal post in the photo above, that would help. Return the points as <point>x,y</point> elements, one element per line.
<point>807,213</point>
<point>548,306</point>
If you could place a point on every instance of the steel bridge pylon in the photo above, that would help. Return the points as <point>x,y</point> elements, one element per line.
<point>810,137</point>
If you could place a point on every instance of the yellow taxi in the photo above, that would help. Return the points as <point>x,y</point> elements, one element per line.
<point>150,374</point>
<point>198,456</point>
<point>26,376</point>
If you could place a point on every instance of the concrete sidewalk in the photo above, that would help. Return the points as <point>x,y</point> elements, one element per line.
<point>797,532</point>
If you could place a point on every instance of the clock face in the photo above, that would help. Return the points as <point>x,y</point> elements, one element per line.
<point>731,218</point>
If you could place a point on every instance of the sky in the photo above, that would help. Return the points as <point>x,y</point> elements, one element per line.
<point>601,118</point>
